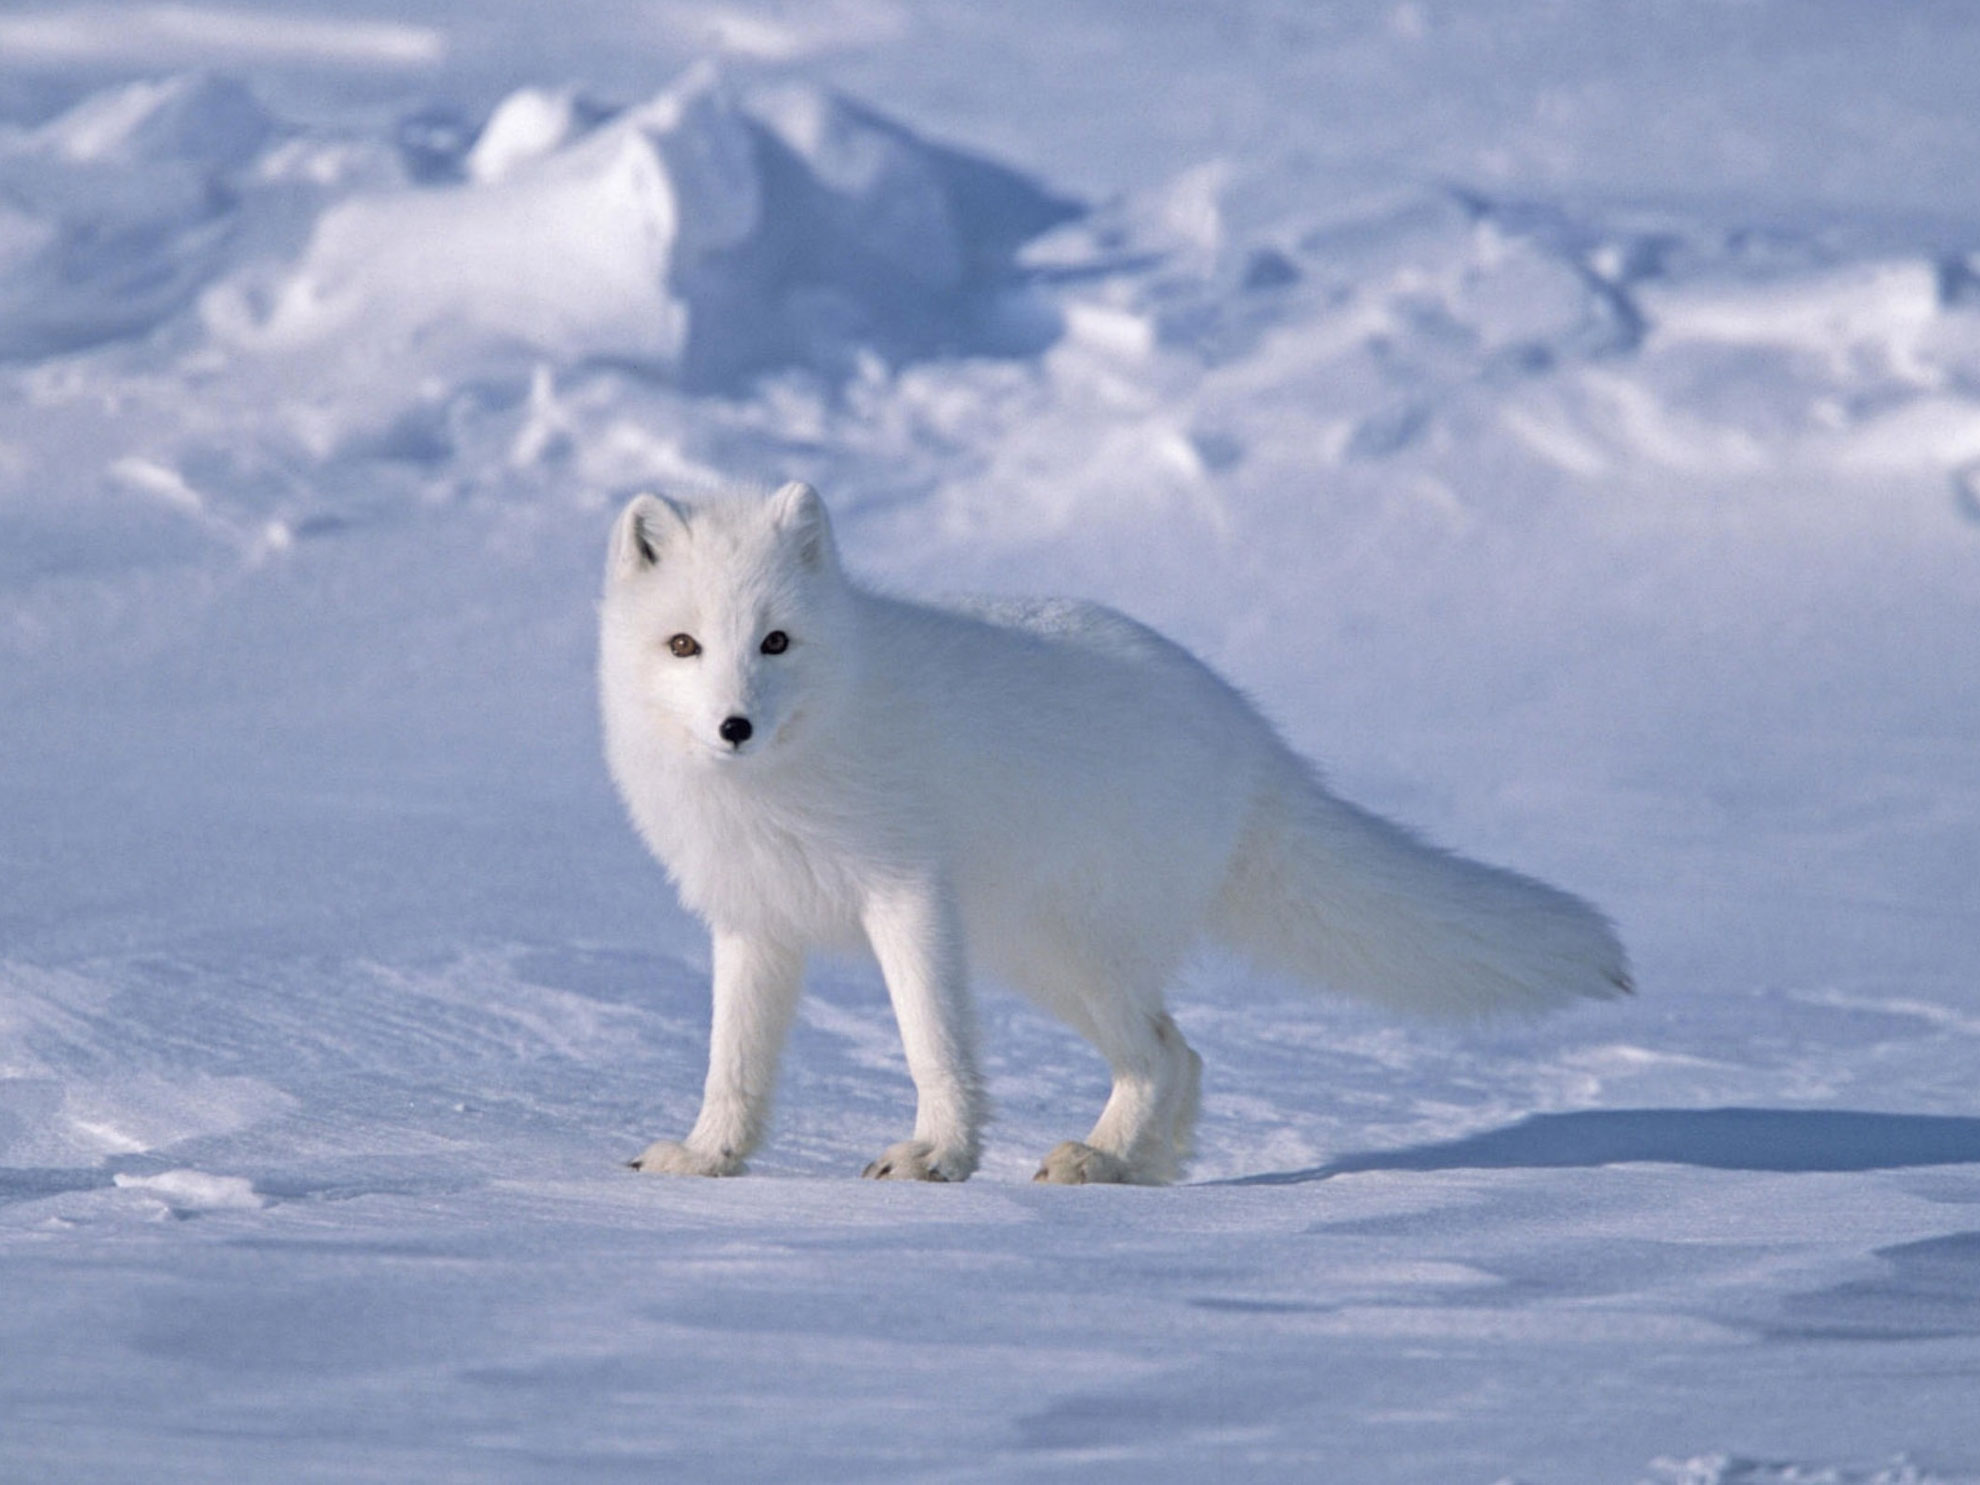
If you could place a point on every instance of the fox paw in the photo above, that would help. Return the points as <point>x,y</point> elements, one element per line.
<point>917,1160</point>
<point>1074,1164</point>
<point>672,1158</point>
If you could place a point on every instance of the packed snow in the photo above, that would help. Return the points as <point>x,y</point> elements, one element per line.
<point>1564,422</point>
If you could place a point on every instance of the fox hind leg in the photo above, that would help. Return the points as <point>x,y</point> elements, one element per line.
<point>1144,1134</point>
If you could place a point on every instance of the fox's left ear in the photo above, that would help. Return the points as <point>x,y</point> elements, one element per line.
<point>799,512</point>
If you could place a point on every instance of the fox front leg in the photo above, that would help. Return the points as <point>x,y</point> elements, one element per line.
<point>756,986</point>
<point>915,935</point>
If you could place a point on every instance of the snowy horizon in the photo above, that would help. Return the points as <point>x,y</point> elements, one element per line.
<point>1564,425</point>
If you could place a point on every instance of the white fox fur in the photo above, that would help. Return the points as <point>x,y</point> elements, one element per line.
<point>1046,791</point>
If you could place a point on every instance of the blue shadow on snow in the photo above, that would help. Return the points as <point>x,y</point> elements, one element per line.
<point>1716,1139</point>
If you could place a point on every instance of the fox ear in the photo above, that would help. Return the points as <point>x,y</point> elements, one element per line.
<point>646,527</point>
<point>798,510</point>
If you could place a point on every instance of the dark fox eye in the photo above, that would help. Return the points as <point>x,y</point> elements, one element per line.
<point>684,645</point>
<point>776,642</point>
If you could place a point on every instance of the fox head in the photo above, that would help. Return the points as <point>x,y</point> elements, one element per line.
<point>724,622</point>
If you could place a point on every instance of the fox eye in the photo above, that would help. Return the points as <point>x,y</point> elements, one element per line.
<point>776,642</point>
<point>684,645</point>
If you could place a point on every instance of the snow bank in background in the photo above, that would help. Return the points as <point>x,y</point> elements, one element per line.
<point>555,294</point>
<point>574,259</point>
<point>699,235</point>
<point>114,215</point>
<point>379,319</point>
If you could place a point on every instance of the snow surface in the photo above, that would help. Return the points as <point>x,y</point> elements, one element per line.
<point>1564,418</point>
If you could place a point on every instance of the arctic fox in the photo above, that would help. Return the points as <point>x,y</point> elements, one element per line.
<point>1047,791</point>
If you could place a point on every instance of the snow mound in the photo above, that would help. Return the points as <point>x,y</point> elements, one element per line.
<point>116,213</point>
<point>701,235</point>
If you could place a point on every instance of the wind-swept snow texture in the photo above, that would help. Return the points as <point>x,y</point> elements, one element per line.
<point>1564,419</point>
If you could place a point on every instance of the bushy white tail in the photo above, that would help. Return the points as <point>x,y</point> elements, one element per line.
<point>1329,893</point>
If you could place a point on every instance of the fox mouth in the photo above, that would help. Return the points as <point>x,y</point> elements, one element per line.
<point>725,751</point>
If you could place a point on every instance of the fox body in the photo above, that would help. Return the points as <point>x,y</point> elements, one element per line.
<point>1046,791</point>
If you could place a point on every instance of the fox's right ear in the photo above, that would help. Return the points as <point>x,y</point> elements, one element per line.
<point>646,528</point>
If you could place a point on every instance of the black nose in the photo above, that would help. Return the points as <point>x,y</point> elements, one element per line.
<point>735,730</point>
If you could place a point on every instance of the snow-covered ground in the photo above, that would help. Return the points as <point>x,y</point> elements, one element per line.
<point>1564,419</point>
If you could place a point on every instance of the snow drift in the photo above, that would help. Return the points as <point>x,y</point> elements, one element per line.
<point>116,213</point>
<point>700,235</point>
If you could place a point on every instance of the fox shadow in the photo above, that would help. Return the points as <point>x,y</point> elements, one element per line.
<point>1785,1140</point>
